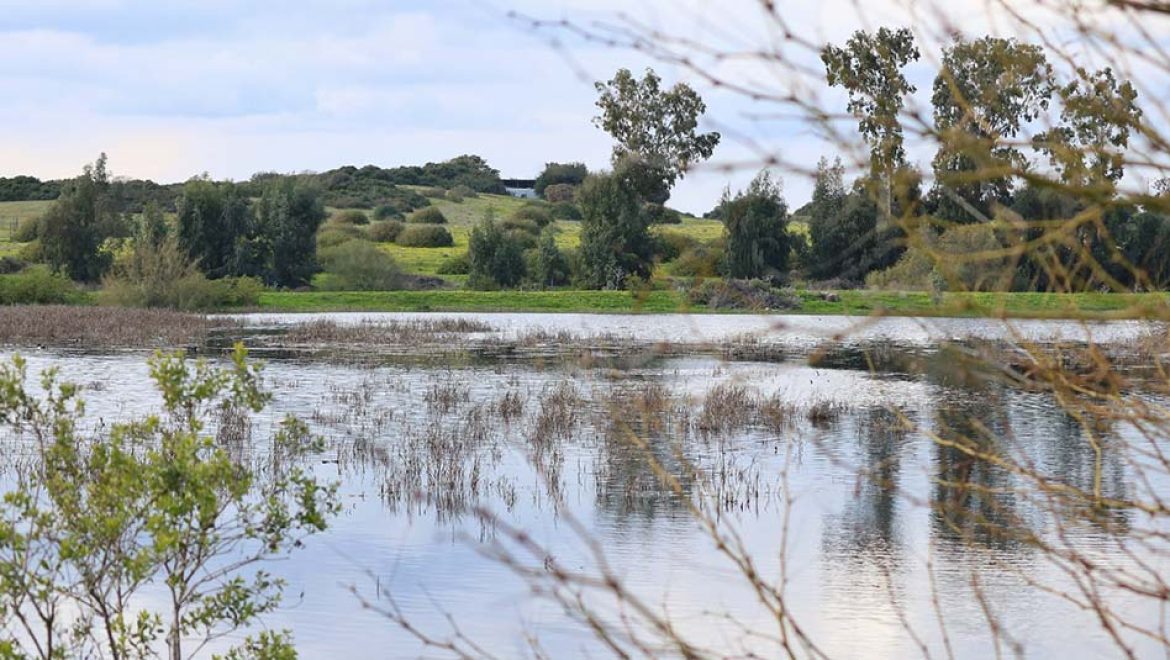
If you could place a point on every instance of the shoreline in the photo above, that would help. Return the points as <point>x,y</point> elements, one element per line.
<point>859,303</point>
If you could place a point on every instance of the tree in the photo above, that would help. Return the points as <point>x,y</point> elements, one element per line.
<point>869,67</point>
<point>831,241</point>
<point>1097,115</point>
<point>986,91</point>
<point>288,216</point>
<point>615,241</point>
<point>212,218</point>
<point>572,174</point>
<point>756,225</point>
<point>654,127</point>
<point>495,259</point>
<point>157,500</point>
<point>75,226</point>
<point>548,267</point>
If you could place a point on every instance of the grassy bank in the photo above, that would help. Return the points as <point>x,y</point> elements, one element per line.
<point>863,303</point>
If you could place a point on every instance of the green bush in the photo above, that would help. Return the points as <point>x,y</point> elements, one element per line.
<point>521,225</point>
<point>533,213</point>
<point>10,265</point>
<point>387,212</point>
<point>359,266</point>
<point>350,217</point>
<point>699,261</point>
<point>28,230</point>
<point>560,192</point>
<point>495,256</point>
<point>456,265</point>
<point>461,192</point>
<point>163,275</point>
<point>963,258</point>
<point>385,232</point>
<point>335,234</point>
<point>435,193</point>
<point>660,215</point>
<point>35,285</point>
<point>669,245</point>
<point>425,236</point>
<point>565,211</point>
<point>428,216</point>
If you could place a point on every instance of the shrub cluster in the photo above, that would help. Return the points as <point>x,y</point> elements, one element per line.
<point>425,235</point>
<point>428,216</point>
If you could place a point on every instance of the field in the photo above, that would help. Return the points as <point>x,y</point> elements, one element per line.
<point>11,215</point>
<point>462,216</point>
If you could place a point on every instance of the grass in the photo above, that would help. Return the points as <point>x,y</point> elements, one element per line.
<point>473,301</point>
<point>857,303</point>
<point>12,213</point>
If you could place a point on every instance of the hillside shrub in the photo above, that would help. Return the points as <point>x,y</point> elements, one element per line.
<point>387,212</point>
<point>456,265</point>
<point>359,266</point>
<point>669,245</point>
<point>700,261</point>
<point>424,235</point>
<point>565,211</point>
<point>335,234</point>
<point>28,230</point>
<point>434,192</point>
<point>560,192</point>
<point>350,217</point>
<point>427,216</point>
<point>385,232</point>
<point>534,213</point>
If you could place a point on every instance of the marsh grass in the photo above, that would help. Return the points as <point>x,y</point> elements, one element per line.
<point>106,327</point>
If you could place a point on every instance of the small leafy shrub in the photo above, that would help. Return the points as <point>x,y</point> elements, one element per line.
<point>350,217</point>
<point>10,265</point>
<point>434,193</point>
<point>521,225</point>
<point>335,234</point>
<point>385,232</point>
<point>669,245</point>
<point>387,212</point>
<point>699,261</point>
<point>425,235</point>
<point>29,229</point>
<point>359,266</point>
<point>157,501</point>
<point>565,211</point>
<point>533,213</point>
<point>456,265</point>
<point>742,294</point>
<point>560,192</point>
<point>462,192</point>
<point>660,215</point>
<point>428,216</point>
<point>36,285</point>
<point>547,265</point>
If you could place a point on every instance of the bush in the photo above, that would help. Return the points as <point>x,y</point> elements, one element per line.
<point>334,234</point>
<point>495,256</point>
<point>387,212</point>
<point>36,285</point>
<point>435,193</point>
<point>460,193</point>
<point>565,211</point>
<point>742,294</point>
<point>521,225</point>
<point>163,275</point>
<point>533,213</point>
<point>560,192</point>
<point>385,232</point>
<point>523,238</point>
<point>699,261</point>
<point>350,217</point>
<point>425,236</point>
<point>669,245</point>
<point>428,216</point>
<point>963,258</point>
<point>28,230</point>
<point>10,265</point>
<point>456,265</point>
<point>660,215</point>
<point>359,266</point>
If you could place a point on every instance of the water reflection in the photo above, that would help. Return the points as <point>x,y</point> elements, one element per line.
<point>912,465</point>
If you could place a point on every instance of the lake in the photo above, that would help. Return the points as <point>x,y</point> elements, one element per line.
<point>825,448</point>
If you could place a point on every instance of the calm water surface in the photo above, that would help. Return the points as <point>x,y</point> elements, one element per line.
<point>863,557</point>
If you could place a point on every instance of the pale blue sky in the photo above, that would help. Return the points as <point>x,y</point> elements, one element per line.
<point>170,89</point>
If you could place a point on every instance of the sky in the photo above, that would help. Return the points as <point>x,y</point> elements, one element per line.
<point>171,89</point>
